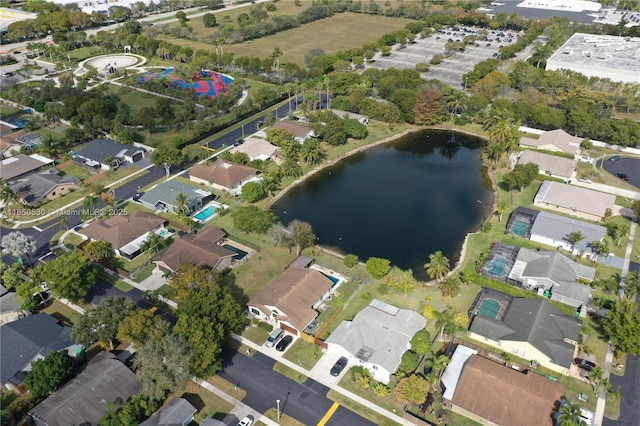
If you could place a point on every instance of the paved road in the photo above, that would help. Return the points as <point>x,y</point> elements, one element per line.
<point>46,231</point>
<point>630,386</point>
<point>306,402</point>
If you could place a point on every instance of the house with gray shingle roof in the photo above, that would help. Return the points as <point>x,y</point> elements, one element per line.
<point>376,338</point>
<point>29,339</point>
<point>83,401</point>
<point>574,201</point>
<point>43,187</point>
<point>106,153</point>
<point>532,329</point>
<point>553,275</point>
<point>163,196</point>
<point>177,412</point>
<point>551,165</point>
<point>552,230</point>
<point>554,140</point>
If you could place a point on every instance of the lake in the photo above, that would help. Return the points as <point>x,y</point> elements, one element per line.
<point>400,201</point>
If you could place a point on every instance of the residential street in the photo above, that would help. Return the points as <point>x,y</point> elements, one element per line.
<point>305,402</point>
<point>630,405</point>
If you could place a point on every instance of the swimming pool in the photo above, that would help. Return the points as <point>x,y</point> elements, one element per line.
<point>498,267</point>
<point>334,280</point>
<point>205,214</point>
<point>520,228</point>
<point>489,308</point>
<point>239,253</point>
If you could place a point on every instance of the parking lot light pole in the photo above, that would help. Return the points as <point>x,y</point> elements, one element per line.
<point>278,409</point>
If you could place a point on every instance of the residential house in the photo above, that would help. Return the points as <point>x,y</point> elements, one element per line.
<point>548,164</point>
<point>223,175</point>
<point>291,300</point>
<point>163,196</point>
<point>84,400</point>
<point>20,166</point>
<point>203,249</point>
<point>125,233</point>
<point>300,131</point>
<point>176,412</point>
<point>554,275</point>
<point>362,119</point>
<point>575,201</point>
<point>552,230</point>
<point>30,140</point>
<point>493,394</point>
<point>10,309</point>
<point>105,154</point>
<point>259,149</point>
<point>29,339</point>
<point>554,140</point>
<point>532,329</point>
<point>376,338</point>
<point>8,148</point>
<point>43,187</point>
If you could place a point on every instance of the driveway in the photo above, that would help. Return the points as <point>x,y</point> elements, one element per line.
<point>322,368</point>
<point>306,402</point>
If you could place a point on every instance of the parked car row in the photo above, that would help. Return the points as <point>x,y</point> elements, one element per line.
<point>276,339</point>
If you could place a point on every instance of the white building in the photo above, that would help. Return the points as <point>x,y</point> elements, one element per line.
<point>376,338</point>
<point>616,58</point>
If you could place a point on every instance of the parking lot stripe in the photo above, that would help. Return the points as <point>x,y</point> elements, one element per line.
<point>327,416</point>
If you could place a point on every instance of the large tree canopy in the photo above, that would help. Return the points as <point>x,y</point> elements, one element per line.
<point>70,275</point>
<point>102,323</point>
<point>49,373</point>
<point>207,315</point>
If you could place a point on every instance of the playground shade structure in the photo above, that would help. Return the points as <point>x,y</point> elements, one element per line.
<point>205,83</point>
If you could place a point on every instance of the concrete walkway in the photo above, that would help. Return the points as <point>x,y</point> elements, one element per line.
<point>240,409</point>
<point>319,377</point>
<point>602,397</point>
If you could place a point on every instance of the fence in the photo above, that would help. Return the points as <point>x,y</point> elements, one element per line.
<point>64,165</point>
<point>330,321</point>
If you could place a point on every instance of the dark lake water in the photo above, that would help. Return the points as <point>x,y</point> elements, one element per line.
<point>400,201</point>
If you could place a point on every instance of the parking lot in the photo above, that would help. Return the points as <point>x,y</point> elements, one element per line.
<point>450,71</point>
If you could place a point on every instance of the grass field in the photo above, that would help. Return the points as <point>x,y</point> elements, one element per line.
<point>303,353</point>
<point>289,372</point>
<point>207,403</point>
<point>337,33</point>
<point>135,99</point>
<point>62,312</point>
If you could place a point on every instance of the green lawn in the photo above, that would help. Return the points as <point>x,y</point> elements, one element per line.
<point>72,240</point>
<point>77,171</point>
<point>207,403</point>
<point>289,372</point>
<point>227,387</point>
<point>256,334</point>
<point>303,353</point>
<point>144,273</point>
<point>85,53</point>
<point>337,33</point>
<point>134,99</point>
<point>62,312</point>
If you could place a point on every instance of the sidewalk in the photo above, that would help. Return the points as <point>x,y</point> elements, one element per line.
<point>240,409</point>
<point>320,378</point>
<point>602,397</point>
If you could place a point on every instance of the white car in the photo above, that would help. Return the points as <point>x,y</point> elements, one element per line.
<point>585,159</point>
<point>247,421</point>
<point>584,180</point>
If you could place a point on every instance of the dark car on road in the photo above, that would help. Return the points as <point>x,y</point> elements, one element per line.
<point>622,176</point>
<point>339,366</point>
<point>615,158</point>
<point>284,343</point>
<point>585,364</point>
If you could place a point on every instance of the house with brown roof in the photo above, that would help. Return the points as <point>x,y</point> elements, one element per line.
<point>8,147</point>
<point>291,300</point>
<point>223,175</point>
<point>493,394</point>
<point>125,233</point>
<point>554,140</point>
<point>300,131</point>
<point>203,249</point>
<point>22,165</point>
<point>574,201</point>
<point>551,165</point>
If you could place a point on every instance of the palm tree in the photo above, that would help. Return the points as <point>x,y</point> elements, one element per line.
<point>438,266</point>
<point>597,379</point>
<point>456,101</point>
<point>450,286</point>
<point>507,358</point>
<point>500,210</point>
<point>88,206</point>
<point>63,223</point>
<point>152,244</point>
<point>599,247</point>
<point>623,231</point>
<point>569,414</point>
<point>632,286</point>
<point>446,324</point>
<point>7,196</point>
<point>182,203</point>
<point>440,363</point>
<point>311,152</point>
<point>574,238</point>
<point>275,55</point>
<point>613,231</point>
